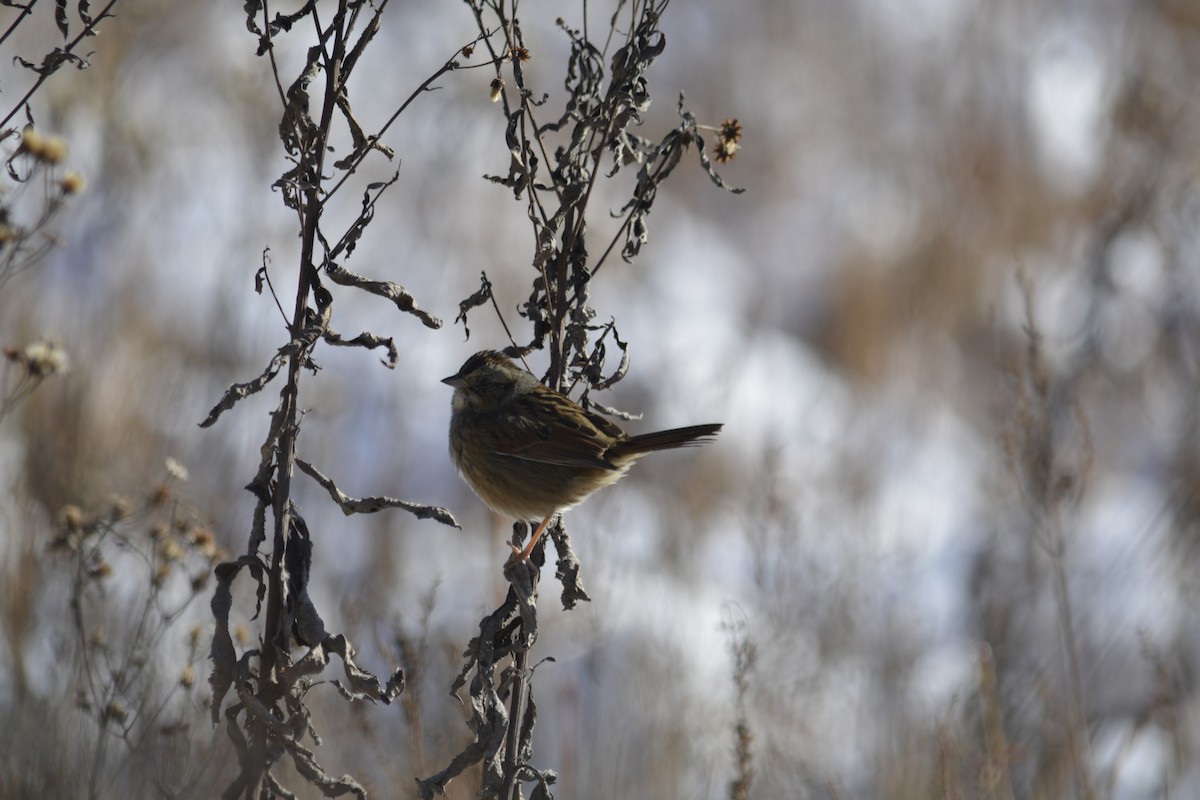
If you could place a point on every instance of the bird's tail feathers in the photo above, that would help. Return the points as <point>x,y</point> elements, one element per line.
<point>668,440</point>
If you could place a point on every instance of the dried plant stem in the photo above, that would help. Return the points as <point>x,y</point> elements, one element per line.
<point>996,776</point>
<point>1079,741</point>
<point>1049,449</point>
<point>277,636</point>
<point>88,30</point>
<point>270,719</point>
<point>512,787</point>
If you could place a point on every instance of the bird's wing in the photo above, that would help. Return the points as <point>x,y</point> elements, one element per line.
<point>551,438</point>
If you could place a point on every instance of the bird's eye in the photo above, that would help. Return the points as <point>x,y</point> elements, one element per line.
<point>483,383</point>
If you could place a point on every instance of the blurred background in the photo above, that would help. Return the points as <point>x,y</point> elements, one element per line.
<point>951,328</point>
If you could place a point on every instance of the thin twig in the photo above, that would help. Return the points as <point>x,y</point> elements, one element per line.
<point>88,30</point>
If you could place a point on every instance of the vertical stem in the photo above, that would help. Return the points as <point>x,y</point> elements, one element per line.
<point>1077,715</point>
<point>996,778</point>
<point>522,594</point>
<point>277,633</point>
<point>562,267</point>
<point>512,786</point>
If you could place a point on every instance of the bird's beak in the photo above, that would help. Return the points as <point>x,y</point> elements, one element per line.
<point>456,381</point>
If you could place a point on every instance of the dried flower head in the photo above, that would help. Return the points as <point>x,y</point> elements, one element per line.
<point>32,142</point>
<point>49,149</point>
<point>171,551</point>
<point>176,470</point>
<point>54,150</point>
<point>731,129</point>
<point>72,183</point>
<point>725,151</point>
<point>120,508</point>
<point>468,50</point>
<point>116,711</point>
<point>160,495</point>
<point>521,54</point>
<point>729,139</point>
<point>187,676</point>
<point>71,517</point>
<point>205,541</point>
<point>42,358</point>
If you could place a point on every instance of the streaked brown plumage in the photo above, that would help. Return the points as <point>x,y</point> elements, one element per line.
<point>530,452</point>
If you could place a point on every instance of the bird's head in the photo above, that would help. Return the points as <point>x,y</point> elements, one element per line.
<point>486,381</point>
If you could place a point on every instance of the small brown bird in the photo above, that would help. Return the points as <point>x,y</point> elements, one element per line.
<point>530,452</point>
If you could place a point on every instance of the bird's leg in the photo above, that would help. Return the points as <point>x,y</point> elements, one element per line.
<point>523,555</point>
